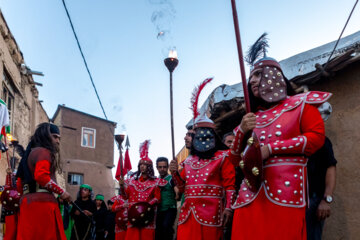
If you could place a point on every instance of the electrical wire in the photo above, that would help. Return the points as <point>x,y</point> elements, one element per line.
<point>83,57</point>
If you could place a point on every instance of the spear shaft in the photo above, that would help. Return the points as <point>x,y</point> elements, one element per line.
<point>240,55</point>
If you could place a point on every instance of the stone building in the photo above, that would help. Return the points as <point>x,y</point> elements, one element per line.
<point>310,71</point>
<point>87,151</point>
<point>18,90</point>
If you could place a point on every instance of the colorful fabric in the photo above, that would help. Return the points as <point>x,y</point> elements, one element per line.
<point>191,229</point>
<point>42,177</point>
<point>167,195</point>
<point>70,221</point>
<point>39,211</point>
<point>292,129</point>
<point>40,217</point>
<point>141,190</point>
<point>120,235</point>
<point>140,234</point>
<point>205,186</point>
<point>10,227</point>
<point>262,220</point>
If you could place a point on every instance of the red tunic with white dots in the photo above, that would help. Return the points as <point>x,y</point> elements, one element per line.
<point>208,182</point>
<point>293,130</point>
<point>140,190</point>
<point>121,211</point>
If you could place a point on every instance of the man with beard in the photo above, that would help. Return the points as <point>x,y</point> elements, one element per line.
<point>83,224</point>
<point>289,128</point>
<point>166,213</point>
<point>40,216</point>
<point>143,194</point>
<point>205,177</point>
<point>188,137</point>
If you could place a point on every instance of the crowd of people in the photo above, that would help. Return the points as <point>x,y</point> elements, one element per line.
<point>249,184</point>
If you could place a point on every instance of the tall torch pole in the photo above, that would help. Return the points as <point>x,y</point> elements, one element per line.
<point>171,62</point>
<point>240,54</point>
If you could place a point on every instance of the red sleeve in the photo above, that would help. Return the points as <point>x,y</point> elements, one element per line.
<point>178,179</point>
<point>228,181</point>
<point>157,196</point>
<point>118,204</point>
<point>115,207</point>
<point>19,186</point>
<point>42,177</point>
<point>311,139</point>
<point>228,174</point>
<point>313,128</point>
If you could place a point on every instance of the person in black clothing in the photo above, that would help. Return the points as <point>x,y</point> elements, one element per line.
<point>110,222</point>
<point>321,175</point>
<point>83,224</point>
<point>100,216</point>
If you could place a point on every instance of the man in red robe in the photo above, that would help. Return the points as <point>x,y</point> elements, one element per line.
<point>289,128</point>
<point>40,216</point>
<point>142,190</point>
<point>207,179</point>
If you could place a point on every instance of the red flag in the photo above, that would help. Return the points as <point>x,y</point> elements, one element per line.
<point>127,163</point>
<point>118,170</point>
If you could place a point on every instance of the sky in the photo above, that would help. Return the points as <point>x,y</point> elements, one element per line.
<point>125,52</point>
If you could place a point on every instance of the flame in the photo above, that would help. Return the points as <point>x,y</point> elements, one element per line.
<point>10,137</point>
<point>172,53</point>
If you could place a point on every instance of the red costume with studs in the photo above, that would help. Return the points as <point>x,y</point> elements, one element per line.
<point>121,216</point>
<point>41,206</point>
<point>293,129</point>
<point>208,184</point>
<point>290,128</point>
<point>140,190</point>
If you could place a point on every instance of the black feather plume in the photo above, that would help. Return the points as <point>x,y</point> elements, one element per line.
<point>257,50</point>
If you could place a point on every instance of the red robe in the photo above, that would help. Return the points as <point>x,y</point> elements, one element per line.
<point>143,191</point>
<point>120,232</point>
<point>10,227</point>
<point>207,182</point>
<point>40,216</point>
<point>292,130</point>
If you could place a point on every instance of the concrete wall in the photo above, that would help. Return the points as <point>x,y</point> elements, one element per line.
<point>94,163</point>
<point>343,130</point>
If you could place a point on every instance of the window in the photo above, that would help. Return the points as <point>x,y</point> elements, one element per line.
<point>88,137</point>
<point>7,94</point>
<point>75,179</point>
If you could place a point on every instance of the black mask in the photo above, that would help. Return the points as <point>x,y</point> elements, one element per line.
<point>204,139</point>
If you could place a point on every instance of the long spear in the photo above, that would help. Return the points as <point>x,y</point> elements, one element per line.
<point>251,163</point>
<point>240,54</point>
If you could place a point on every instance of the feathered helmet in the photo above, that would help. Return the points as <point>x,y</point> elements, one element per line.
<point>144,152</point>
<point>272,86</point>
<point>200,120</point>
